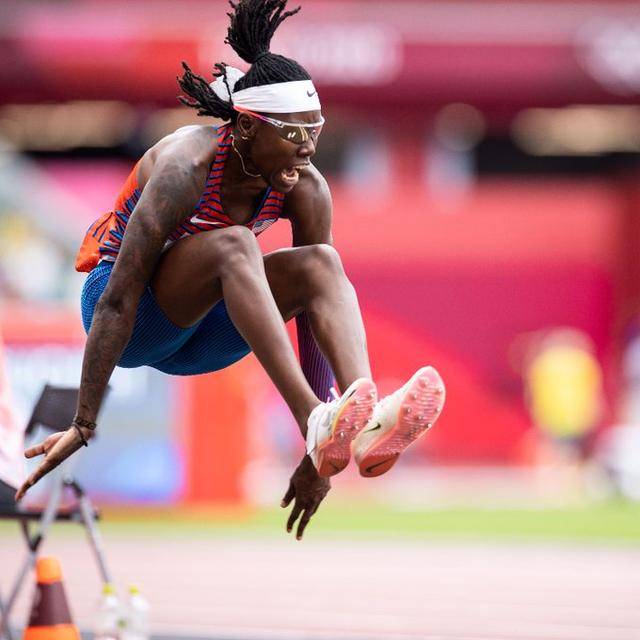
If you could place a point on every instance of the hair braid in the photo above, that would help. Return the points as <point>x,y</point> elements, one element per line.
<point>201,96</point>
<point>251,28</point>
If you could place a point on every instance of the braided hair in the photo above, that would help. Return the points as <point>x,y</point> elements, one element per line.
<point>253,23</point>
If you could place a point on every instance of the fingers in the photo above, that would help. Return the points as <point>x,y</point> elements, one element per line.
<point>288,497</point>
<point>297,509</point>
<point>47,465</point>
<point>45,445</point>
<point>22,490</point>
<point>307,513</point>
<point>36,450</point>
<point>304,521</point>
<point>44,468</point>
<point>57,450</point>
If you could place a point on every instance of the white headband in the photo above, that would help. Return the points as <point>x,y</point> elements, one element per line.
<point>283,97</point>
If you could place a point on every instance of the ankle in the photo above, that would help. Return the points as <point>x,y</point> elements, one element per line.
<point>301,415</point>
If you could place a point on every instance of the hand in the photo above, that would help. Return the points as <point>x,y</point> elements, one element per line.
<point>309,490</point>
<point>56,448</point>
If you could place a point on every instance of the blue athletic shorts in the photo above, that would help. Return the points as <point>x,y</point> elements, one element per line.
<point>210,345</point>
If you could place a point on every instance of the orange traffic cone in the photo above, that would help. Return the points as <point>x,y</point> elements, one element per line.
<point>50,616</point>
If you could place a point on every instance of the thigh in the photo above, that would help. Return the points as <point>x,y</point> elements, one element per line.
<point>185,282</point>
<point>216,343</point>
<point>186,285</point>
<point>287,271</point>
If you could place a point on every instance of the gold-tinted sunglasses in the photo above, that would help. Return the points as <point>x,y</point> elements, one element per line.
<point>297,133</point>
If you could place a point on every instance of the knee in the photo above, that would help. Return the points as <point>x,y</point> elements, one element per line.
<point>321,260</point>
<point>236,246</point>
<point>317,268</point>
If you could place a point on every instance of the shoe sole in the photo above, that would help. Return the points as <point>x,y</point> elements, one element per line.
<point>334,454</point>
<point>419,409</point>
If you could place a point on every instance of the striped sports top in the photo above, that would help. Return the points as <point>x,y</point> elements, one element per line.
<point>104,237</point>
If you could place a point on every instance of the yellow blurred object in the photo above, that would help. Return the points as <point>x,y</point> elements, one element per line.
<point>565,388</point>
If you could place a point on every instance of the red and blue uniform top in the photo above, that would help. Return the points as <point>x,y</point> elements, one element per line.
<point>104,237</point>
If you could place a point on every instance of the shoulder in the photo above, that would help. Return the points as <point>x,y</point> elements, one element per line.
<point>193,148</point>
<point>311,194</point>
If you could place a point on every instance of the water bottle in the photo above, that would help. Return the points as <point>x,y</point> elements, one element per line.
<point>137,616</point>
<point>109,615</point>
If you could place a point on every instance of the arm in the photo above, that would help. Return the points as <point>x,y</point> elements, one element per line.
<point>310,212</point>
<point>171,192</point>
<point>309,209</point>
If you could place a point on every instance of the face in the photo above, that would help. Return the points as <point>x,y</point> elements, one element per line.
<point>279,161</point>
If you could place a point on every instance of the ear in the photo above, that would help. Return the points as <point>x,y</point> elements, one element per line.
<point>247,126</point>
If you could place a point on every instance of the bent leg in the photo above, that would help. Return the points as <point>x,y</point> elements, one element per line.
<point>312,279</point>
<point>198,271</point>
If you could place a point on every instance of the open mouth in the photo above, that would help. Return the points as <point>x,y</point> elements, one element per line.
<point>291,175</point>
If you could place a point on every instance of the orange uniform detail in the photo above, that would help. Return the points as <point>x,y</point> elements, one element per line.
<point>104,237</point>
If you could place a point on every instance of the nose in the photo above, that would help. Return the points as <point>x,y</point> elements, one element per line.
<point>307,149</point>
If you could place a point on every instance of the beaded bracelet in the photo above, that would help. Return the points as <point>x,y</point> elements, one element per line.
<point>79,422</point>
<point>84,440</point>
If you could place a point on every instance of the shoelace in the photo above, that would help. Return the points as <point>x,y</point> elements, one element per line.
<point>382,404</point>
<point>332,406</point>
<point>380,407</point>
<point>328,414</point>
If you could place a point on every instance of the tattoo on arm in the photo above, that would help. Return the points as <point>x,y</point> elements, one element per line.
<point>171,193</point>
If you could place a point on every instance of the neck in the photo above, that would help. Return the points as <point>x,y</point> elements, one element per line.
<point>234,177</point>
<point>241,153</point>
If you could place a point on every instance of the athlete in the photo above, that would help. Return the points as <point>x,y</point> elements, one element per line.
<point>177,280</point>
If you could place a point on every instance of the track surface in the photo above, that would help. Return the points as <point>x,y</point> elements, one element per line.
<point>251,589</point>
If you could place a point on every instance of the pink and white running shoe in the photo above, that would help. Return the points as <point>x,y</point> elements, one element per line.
<point>399,420</point>
<point>333,425</point>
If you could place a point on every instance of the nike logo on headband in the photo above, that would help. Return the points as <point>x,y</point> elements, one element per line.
<point>311,94</point>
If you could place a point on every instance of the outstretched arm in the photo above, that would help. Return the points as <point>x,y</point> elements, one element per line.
<point>171,192</point>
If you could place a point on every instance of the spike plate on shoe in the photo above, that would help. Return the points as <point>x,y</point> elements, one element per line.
<point>420,407</point>
<point>333,455</point>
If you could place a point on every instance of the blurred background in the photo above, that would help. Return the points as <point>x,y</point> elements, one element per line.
<point>484,159</point>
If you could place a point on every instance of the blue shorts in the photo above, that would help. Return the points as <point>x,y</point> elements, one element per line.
<point>210,345</point>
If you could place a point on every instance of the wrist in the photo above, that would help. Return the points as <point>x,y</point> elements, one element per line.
<point>85,424</point>
<point>84,428</point>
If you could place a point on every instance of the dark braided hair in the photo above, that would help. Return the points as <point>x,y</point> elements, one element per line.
<point>253,23</point>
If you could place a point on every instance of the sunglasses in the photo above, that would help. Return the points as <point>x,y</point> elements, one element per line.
<point>296,133</point>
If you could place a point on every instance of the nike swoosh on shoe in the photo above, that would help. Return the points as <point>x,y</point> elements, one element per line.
<point>378,426</point>
<point>419,406</point>
<point>369,470</point>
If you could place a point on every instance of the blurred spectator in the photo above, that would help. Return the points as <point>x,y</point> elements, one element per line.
<point>11,441</point>
<point>564,387</point>
<point>565,398</point>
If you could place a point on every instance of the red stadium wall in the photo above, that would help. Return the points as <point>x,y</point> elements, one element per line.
<point>425,53</point>
<point>458,287</point>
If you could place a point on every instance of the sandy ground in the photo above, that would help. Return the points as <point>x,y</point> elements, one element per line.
<point>329,589</point>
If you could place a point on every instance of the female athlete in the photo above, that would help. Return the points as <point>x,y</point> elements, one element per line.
<point>177,280</point>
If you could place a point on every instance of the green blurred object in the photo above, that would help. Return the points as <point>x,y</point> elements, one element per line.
<point>607,522</point>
